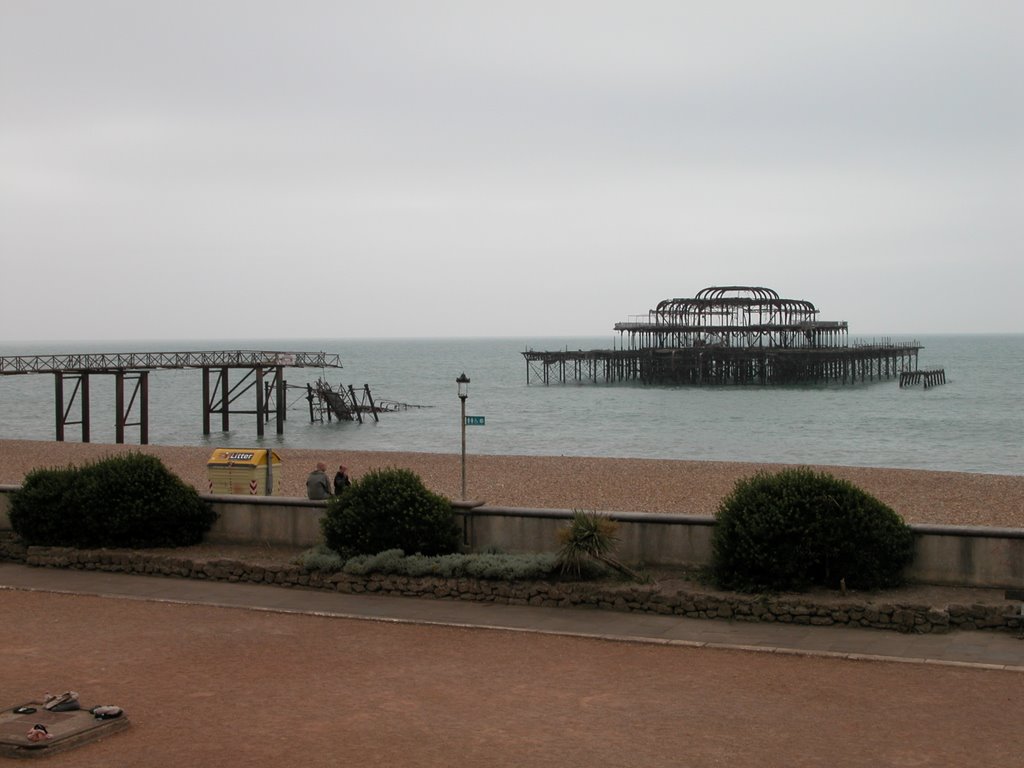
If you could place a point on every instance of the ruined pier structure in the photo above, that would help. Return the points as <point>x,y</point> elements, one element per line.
<point>729,335</point>
<point>260,371</point>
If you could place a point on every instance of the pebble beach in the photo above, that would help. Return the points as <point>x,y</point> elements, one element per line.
<point>560,482</point>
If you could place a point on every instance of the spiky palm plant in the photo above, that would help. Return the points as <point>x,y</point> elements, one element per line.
<point>592,535</point>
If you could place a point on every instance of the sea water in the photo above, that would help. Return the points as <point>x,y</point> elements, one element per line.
<point>972,423</point>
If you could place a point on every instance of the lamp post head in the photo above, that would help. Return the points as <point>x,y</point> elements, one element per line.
<point>463,382</point>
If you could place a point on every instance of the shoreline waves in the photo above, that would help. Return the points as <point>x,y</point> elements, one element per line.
<point>569,482</point>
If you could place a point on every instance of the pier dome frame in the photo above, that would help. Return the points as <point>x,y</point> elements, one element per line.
<point>734,316</point>
<point>732,334</point>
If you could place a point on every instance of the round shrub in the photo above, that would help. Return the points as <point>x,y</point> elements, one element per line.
<point>129,500</point>
<point>390,509</point>
<point>799,528</point>
<point>38,511</point>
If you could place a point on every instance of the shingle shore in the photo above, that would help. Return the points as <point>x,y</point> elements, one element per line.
<point>565,482</point>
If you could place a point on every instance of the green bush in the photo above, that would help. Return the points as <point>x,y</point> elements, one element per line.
<point>390,509</point>
<point>38,510</point>
<point>128,500</point>
<point>800,528</point>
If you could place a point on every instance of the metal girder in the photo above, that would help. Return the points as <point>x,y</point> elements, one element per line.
<point>109,362</point>
<point>733,316</point>
<point>123,410</point>
<point>220,398</point>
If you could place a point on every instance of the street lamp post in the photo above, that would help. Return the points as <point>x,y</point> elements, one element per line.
<point>463,382</point>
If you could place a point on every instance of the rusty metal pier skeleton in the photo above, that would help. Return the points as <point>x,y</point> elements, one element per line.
<point>344,405</point>
<point>264,374</point>
<point>929,377</point>
<point>729,335</point>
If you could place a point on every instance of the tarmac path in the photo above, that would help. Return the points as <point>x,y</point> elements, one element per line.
<point>245,675</point>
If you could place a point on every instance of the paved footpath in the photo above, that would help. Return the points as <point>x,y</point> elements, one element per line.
<point>988,649</point>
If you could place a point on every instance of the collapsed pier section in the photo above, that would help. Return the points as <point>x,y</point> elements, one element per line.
<point>729,335</point>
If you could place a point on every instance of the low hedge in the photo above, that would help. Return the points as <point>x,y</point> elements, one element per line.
<point>127,500</point>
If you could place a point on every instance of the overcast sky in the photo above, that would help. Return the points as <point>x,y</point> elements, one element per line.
<point>220,169</point>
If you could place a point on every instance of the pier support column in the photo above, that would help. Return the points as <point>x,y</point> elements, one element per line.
<point>58,399</point>
<point>144,407</point>
<point>225,401</point>
<point>122,411</point>
<point>279,384</point>
<point>84,381</point>
<point>81,387</point>
<point>261,403</point>
<point>206,400</point>
<point>120,417</point>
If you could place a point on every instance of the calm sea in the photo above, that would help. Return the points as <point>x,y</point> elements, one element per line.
<point>973,423</point>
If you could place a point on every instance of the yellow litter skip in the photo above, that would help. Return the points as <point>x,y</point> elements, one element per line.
<point>244,472</point>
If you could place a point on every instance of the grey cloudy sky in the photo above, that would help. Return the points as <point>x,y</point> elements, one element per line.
<point>221,169</point>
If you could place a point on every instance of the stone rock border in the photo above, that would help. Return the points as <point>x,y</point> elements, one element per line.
<point>800,609</point>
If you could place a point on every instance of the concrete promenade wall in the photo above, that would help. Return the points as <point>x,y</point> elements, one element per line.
<point>952,555</point>
<point>266,519</point>
<point>945,554</point>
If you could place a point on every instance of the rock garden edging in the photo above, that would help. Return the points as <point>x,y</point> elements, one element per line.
<point>794,609</point>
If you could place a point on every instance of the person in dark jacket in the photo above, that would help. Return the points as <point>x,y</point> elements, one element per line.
<point>341,480</point>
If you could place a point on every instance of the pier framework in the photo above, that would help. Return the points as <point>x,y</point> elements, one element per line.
<point>729,335</point>
<point>262,372</point>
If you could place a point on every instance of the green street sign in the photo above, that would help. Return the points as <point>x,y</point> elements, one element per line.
<point>474,421</point>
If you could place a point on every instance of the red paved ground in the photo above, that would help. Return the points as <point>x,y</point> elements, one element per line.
<point>213,686</point>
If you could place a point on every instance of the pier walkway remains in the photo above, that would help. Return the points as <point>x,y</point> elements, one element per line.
<point>262,371</point>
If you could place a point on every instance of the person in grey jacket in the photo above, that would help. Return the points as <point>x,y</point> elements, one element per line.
<point>317,484</point>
